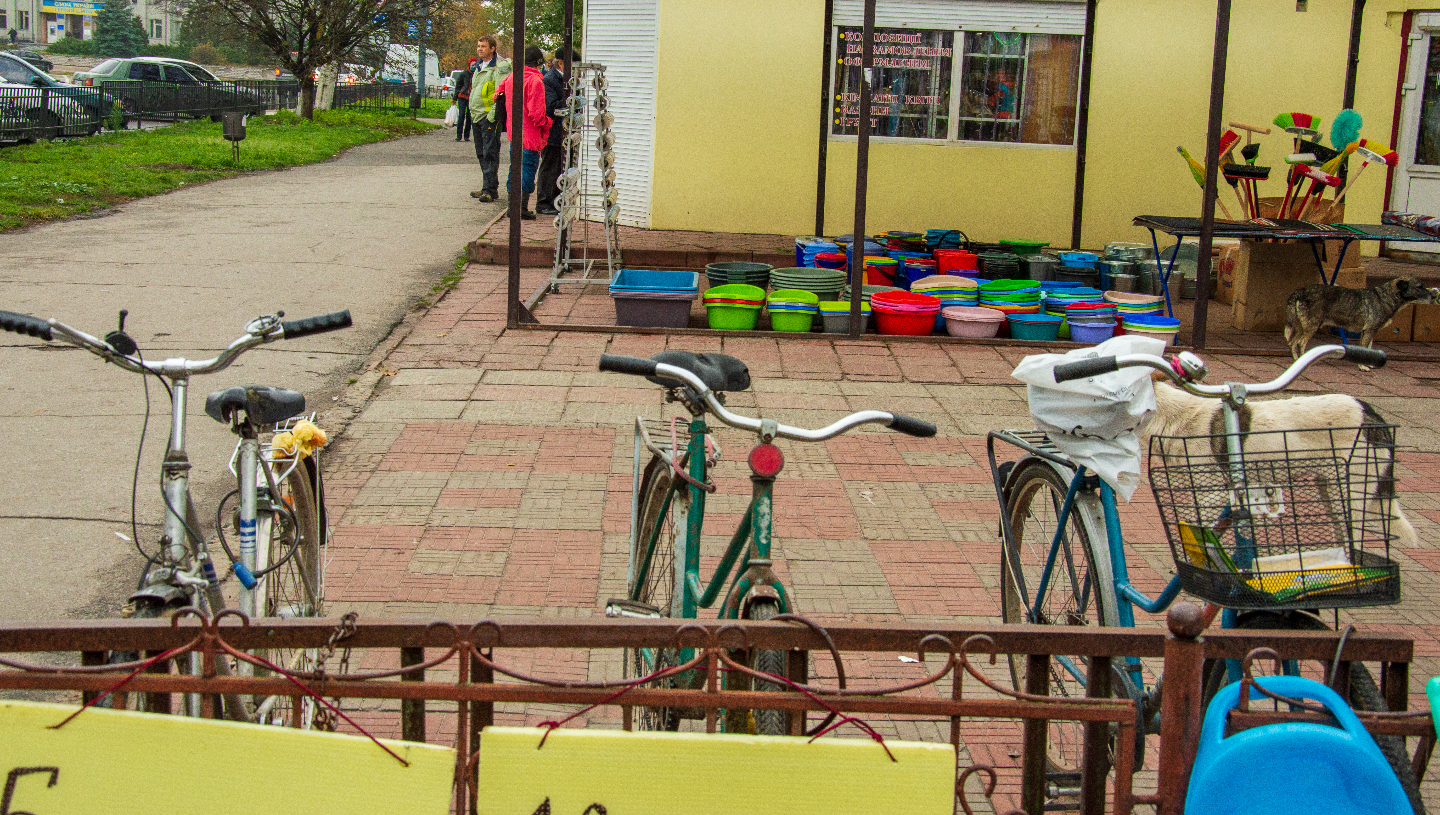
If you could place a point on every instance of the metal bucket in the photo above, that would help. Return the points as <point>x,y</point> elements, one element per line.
<point>1125,282</point>
<point>1109,268</point>
<point>1039,267</point>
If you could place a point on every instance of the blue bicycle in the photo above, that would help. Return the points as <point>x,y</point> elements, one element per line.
<point>1266,527</point>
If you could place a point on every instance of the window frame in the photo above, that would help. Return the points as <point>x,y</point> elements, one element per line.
<point>957,74</point>
<point>24,20</point>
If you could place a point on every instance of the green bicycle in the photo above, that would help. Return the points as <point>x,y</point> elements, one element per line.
<point>667,514</point>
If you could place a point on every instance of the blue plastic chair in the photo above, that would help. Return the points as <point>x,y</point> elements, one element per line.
<point>1295,767</point>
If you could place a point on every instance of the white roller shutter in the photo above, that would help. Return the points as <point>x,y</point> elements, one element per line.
<point>1033,17</point>
<point>624,36</point>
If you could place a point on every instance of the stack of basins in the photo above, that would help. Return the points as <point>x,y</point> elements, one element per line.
<point>905,313</point>
<point>738,272</point>
<point>734,306</point>
<point>952,290</point>
<point>1059,296</point>
<point>792,310</point>
<point>1024,247</point>
<point>904,241</point>
<point>830,260</point>
<point>1135,305</point>
<point>972,322</point>
<point>882,271</point>
<point>1152,325</point>
<point>999,265</point>
<point>1141,314</point>
<point>812,250</point>
<point>866,292</point>
<point>654,299</point>
<point>1128,264</point>
<point>826,284</point>
<point>1011,297</point>
<point>914,267</point>
<point>872,247</point>
<point>835,314</point>
<point>1090,322</point>
<point>957,262</point>
<point>1078,267</point>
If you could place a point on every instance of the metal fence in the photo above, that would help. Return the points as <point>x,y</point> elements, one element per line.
<point>27,113</point>
<point>375,96</point>
<point>141,99</point>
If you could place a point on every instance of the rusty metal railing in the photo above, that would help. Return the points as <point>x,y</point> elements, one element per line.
<point>473,668</point>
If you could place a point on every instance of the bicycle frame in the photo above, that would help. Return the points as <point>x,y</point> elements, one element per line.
<point>753,533</point>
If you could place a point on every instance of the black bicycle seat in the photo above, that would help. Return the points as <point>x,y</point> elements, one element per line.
<point>719,372</point>
<point>262,404</point>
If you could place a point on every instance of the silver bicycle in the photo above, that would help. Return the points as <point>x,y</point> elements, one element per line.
<point>277,514</point>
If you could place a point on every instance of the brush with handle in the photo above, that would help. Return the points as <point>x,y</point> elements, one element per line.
<point>1198,170</point>
<point>1371,151</point>
<point>1300,126</point>
<point>1292,178</point>
<point>1249,174</point>
<point>1345,137</point>
<point>1319,180</point>
<point>1228,140</point>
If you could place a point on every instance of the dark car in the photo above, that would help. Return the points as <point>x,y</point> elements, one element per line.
<point>87,109</point>
<point>169,86</point>
<point>34,58</point>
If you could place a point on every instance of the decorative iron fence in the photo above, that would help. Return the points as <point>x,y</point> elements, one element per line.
<point>27,114</point>
<point>375,95</point>
<point>527,671</point>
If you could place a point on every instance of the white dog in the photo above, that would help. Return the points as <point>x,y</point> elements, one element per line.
<point>1184,415</point>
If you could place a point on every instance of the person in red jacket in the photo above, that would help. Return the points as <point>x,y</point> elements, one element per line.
<point>536,130</point>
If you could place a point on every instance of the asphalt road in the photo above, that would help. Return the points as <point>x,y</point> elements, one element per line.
<point>370,231</point>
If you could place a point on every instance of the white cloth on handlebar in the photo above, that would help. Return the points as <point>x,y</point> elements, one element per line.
<point>1095,420</point>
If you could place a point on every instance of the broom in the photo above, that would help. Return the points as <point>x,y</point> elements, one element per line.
<point>1198,170</point>
<point>1248,173</point>
<point>1228,140</point>
<point>1371,151</point>
<point>1249,152</point>
<point>1319,180</point>
<point>1301,126</point>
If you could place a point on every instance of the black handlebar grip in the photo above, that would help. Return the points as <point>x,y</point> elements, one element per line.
<point>1373,357</point>
<point>319,324</point>
<point>911,426</point>
<point>23,324</point>
<point>627,365</point>
<point>1086,367</point>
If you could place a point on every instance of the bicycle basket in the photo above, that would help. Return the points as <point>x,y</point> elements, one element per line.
<point>1300,519</point>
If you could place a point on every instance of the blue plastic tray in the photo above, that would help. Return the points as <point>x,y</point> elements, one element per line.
<point>649,280</point>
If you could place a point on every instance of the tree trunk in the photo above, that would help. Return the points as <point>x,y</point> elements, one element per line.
<point>307,95</point>
<point>325,94</point>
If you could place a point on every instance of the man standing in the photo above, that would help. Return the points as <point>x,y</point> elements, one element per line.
<point>551,163</point>
<point>462,100</point>
<point>484,79</point>
<point>534,131</point>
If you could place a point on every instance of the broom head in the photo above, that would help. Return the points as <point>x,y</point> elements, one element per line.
<point>1372,150</point>
<point>1303,125</point>
<point>1228,140</point>
<point>1345,128</point>
<point>1301,158</point>
<point>1322,153</point>
<point>1319,176</point>
<point>1243,171</point>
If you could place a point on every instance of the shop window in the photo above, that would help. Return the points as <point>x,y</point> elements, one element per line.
<point>961,85</point>
<point>24,20</point>
<point>157,30</point>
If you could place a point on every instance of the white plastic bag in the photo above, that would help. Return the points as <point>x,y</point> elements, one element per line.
<point>1094,421</point>
<point>452,116</point>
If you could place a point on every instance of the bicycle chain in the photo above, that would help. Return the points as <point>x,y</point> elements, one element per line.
<point>325,718</point>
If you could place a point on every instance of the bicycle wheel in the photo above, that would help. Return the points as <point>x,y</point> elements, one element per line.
<point>291,545</point>
<point>1075,595</point>
<point>657,588</point>
<point>768,722</point>
<point>1364,693</point>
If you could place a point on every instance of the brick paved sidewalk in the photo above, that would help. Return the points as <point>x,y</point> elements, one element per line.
<point>490,475</point>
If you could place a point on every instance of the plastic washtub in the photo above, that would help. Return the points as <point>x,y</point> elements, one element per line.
<point>794,321</point>
<point>1035,327</point>
<point>973,322</point>
<point>653,311</point>
<point>1091,333</point>
<point>734,307</point>
<point>654,280</point>
<point>1024,247</point>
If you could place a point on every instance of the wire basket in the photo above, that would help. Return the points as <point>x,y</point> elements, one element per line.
<point>1300,519</point>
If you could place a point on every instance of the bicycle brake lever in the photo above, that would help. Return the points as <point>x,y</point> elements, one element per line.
<point>120,342</point>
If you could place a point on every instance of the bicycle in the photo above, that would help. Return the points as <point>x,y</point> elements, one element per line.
<point>279,517</point>
<point>667,514</point>
<point>1234,505</point>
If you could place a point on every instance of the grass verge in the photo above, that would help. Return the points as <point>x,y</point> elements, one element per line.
<point>49,181</point>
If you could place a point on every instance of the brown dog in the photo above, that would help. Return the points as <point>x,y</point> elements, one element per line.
<point>1358,311</point>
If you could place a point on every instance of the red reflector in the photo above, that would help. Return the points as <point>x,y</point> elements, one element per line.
<point>766,460</point>
<point>89,82</point>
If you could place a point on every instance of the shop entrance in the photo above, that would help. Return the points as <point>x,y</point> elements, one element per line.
<point>1417,178</point>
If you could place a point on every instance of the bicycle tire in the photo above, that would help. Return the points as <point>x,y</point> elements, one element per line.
<point>768,722</point>
<point>1364,693</point>
<point>1075,595</point>
<point>658,588</point>
<point>145,609</point>
<point>295,588</point>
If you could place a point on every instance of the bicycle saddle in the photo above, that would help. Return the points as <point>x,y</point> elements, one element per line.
<point>719,372</point>
<point>262,404</point>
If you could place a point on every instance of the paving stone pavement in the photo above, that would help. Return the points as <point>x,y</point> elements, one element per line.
<point>488,472</point>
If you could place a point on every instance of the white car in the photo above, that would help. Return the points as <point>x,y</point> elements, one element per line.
<point>28,113</point>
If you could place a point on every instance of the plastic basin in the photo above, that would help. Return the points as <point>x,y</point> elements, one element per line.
<point>905,325</point>
<point>654,280</point>
<point>973,322</point>
<point>1035,327</point>
<point>1024,247</point>
<point>793,321</point>
<point>1091,333</point>
<point>733,316</point>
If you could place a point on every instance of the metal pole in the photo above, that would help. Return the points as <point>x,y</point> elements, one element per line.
<point>827,105</point>
<point>517,159</point>
<point>1212,168</point>
<point>862,173</point>
<point>1352,59</point>
<point>1082,127</point>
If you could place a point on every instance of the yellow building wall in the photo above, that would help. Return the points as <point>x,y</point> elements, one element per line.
<point>738,105</point>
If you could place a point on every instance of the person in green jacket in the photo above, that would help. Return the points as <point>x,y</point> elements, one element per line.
<point>487,74</point>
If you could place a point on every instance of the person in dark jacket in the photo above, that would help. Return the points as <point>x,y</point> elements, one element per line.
<point>551,158</point>
<point>462,98</point>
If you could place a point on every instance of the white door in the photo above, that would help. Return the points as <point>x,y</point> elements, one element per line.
<point>1417,178</point>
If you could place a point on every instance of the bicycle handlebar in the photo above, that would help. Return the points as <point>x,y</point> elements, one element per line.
<point>649,367</point>
<point>1101,365</point>
<point>258,332</point>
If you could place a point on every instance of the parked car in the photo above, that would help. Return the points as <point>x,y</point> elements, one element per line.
<point>28,113</point>
<point>34,58</point>
<point>93,104</point>
<point>174,86</point>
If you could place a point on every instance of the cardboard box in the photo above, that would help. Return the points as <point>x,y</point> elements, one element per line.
<point>1427,323</point>
<point>1327,212</point>
<point>1265,276</point>
<point>1223,269</point>
<point>1401,326</point>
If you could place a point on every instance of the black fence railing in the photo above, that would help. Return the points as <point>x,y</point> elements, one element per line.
<point>27,114</point>
<point>142,99</point>
<point>374,95</point>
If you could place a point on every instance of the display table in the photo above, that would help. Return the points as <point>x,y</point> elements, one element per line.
<point>1272,230</point>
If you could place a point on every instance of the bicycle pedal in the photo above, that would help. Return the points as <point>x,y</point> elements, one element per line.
<point>616,607</point>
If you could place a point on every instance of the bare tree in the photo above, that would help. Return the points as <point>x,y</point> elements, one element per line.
<point>306,34</point>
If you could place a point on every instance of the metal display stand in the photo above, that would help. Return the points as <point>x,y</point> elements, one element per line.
<point>588,199</point>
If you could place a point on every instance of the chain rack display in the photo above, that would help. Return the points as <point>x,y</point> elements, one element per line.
<point>588,201</point>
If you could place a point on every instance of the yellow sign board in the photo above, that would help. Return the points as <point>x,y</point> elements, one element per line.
<point>112,762</point>
<point>669,773</point>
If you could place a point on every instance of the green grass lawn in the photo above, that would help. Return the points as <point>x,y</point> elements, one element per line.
<point>49,181</point>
